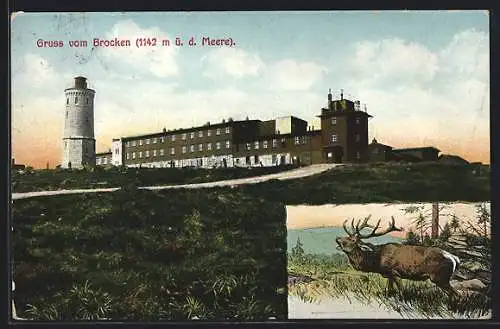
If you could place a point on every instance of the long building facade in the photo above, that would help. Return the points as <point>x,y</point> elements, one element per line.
<point>342,137</point>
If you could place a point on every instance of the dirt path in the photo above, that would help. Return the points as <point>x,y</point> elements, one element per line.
<point>291,174</point>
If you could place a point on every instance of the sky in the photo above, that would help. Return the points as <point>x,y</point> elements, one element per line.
<point>424,76</point>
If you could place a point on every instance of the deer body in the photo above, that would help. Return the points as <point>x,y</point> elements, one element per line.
<point>396,261</point>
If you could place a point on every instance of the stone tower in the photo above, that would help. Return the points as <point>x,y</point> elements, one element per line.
<point>78,137</point>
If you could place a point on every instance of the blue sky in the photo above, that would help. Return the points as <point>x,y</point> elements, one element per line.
<point>424,72</point>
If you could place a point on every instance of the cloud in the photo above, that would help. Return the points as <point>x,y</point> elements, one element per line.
<point>35,71</point>
<point>441,98</point>
<point>467,55</point>
<point>159,61</point>
<point>293,75</point>
<point>282,75</point>
<point>392,61</point>
<point>233,62</point>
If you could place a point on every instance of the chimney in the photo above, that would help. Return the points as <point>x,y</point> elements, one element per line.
<point>341,94</point>
<point>223,120</point>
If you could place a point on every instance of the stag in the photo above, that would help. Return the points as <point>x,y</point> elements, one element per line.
<point>395,261</point>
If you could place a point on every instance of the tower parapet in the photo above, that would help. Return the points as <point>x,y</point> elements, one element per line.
<point>78,136</point>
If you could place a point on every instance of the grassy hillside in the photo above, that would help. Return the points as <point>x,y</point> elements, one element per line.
<point>384,182</point>
<point>143,255</point>
<point>39,180</point>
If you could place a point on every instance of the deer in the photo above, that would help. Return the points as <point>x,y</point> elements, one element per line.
<point>396,261</point>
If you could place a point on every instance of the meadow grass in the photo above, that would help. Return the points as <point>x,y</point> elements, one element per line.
<point>415,297</point>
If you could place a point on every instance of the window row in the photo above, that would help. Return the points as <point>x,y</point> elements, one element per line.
<point>76,100</point>
<point>335,138</point>
<point>298,140</point>
<point>334,120</point>
<point>183,136</point>
<point>100,161</point>
<point>184,150</point>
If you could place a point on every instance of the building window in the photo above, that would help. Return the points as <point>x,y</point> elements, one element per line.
<point>98,161</point>
<point>128,156</point>
<point>184,149</point>
<point>264,144</point>
<point>140,154</point>
<point>304,139</point>
<point>334,121</point>
<point>209,132</point>
<point>255,159</point>
<point>228,144</point>
<point>140,142</point>
<point>283,142</point>
<point>76,100</point>
<point>358,121</point>
<point>162,152</point>
<point>134,143</point>
<point>133,155</point>
<point>147,154</point>
<point>200,133</point>
<point>256,145</point>
<point>154,153</point>
<point>87,100</point>
<point>334,138</point>
<point>67,100</point>
<point>172,151</point>
<point>162,139</point>
<point>173,138</point>
<point>209,146</point>
<point>192,135</point>
<point>200,147</point>
<point>217,132</point>
<point>357,138</point>
<point>275,143</point>
<point>147,141</point>
<point>184,136</point>
<point>217,145</point>
<point>297,140</point>
<point>191,148</point>
<point>155,140</point>
<point>105,160</point>
<point>228,130</point>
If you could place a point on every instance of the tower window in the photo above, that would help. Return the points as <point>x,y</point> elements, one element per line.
<point>67,100</point>
<point>76,100</point>
<point>334,138</point>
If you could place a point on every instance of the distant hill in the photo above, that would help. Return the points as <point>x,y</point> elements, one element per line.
<point>322,240</point>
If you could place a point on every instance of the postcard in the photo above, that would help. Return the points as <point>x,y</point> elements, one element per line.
<point>250,166</point>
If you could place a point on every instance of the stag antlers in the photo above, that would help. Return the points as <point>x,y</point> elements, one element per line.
<point>356,229</point>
